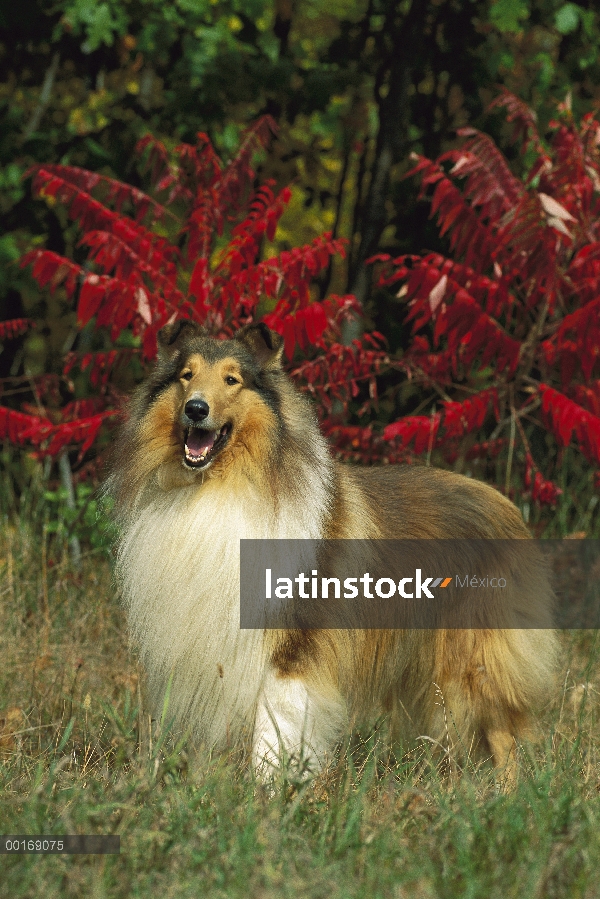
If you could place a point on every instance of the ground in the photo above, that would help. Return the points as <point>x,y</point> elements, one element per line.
<point>78,755</point>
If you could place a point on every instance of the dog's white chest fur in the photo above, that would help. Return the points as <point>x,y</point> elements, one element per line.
<point>179,566</point>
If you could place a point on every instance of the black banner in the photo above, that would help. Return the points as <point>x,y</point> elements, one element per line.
<point>372,584</point>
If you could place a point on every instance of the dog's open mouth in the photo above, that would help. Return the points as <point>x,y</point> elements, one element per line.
<point>201,446</point>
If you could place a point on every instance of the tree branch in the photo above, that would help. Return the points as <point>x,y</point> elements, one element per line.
<point>44,99</point>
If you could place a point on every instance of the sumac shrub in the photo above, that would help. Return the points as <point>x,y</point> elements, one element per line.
<point>505,331</point>
<point>504,344</point>
<point>194,246</point>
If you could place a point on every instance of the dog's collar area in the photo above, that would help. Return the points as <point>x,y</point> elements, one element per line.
<point>201,445</point>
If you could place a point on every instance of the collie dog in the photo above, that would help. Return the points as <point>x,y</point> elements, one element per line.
<point>220,446</point>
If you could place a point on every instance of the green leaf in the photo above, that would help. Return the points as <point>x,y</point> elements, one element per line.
<point>587,17</point>
<point>567,18</point>
<point>100,22</point>
<point>66,735</point>
<point>9,249</point>
<point>507,15</point>
<point>546,70</point>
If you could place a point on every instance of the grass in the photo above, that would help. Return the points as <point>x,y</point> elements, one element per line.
<point>79,755</point>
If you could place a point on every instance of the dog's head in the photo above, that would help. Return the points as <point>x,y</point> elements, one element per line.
<point>213,394</point>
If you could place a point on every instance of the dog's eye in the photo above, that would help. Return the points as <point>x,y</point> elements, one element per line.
<point>186,376</point>
<point>230,380</point>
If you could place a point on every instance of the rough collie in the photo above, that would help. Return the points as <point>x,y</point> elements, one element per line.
<point>220,446</point>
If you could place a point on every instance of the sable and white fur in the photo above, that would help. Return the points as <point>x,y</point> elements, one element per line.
<point>220,446</point>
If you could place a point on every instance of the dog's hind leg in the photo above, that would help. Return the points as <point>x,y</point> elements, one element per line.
<point>503,747</point>
<point>296,724</point>
<point>492,681</point>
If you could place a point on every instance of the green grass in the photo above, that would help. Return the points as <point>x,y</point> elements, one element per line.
<point>78,755</point>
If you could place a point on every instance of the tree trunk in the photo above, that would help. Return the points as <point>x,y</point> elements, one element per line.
<point>392,140</point>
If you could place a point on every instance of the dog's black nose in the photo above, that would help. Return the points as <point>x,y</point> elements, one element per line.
<point>196,410</point>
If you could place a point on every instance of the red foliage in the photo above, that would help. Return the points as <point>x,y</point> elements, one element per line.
<point>142,280</point>
<point>504,336</point>
<point>198,254</point>
<point>14,327</point>
<point>511,322</point>
<point>22,428</point>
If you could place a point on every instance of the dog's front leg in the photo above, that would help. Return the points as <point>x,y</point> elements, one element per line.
<point>296,725</point>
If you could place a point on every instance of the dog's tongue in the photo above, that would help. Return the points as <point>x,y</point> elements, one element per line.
<point>198,442</point>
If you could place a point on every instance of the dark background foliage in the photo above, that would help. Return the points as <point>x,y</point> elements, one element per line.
<point>354,88</point>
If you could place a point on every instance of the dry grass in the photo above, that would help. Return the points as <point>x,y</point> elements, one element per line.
<point>77,754</point>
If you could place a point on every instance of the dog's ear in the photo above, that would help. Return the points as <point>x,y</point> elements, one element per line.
<point>172,335</point>
<point>264,344</point>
